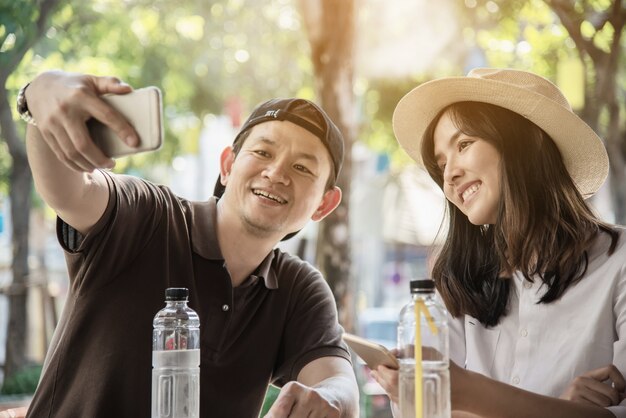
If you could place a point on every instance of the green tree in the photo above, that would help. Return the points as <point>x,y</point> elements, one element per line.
<point>539,34</point>
<point>597,28</point>
<point>200,53</point>
<point>22,24</point>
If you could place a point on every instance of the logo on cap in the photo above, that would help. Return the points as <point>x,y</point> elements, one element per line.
<point>272,113</point>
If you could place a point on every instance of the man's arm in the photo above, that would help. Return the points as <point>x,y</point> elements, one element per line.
<point>77,198</point>
<point>326,386</point>
<point>61,153</point>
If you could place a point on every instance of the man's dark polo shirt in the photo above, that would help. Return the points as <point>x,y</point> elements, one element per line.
<point>99,361</point>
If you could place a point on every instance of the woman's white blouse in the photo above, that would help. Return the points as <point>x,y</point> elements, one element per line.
<point>543,347</point>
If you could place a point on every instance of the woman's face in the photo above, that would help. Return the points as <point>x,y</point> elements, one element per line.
<point>470,167</point>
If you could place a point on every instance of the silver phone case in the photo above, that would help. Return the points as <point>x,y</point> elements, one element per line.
<point>143,110</point>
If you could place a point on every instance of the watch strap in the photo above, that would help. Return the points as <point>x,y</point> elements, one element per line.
<point>22,107</point>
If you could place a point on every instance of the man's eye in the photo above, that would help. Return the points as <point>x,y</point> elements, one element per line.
<point>302,168</point>
<point>262,153</point>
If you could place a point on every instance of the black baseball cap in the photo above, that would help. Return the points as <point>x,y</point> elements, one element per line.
<point>303,113</point>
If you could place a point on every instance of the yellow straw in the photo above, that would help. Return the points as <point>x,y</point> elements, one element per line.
<point>419,307</point>
<point>429,318</point>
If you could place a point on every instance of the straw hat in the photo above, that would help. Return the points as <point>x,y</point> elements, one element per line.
<point>527,94</point>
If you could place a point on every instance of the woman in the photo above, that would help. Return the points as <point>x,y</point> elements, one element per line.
<point>535,281</point>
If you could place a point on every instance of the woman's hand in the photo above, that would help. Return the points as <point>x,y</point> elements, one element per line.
<point>591,388</point>
<point>388,379</point>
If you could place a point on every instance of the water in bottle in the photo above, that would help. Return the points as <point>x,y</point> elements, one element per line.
<point>430,333</point>
<point>176,358</point>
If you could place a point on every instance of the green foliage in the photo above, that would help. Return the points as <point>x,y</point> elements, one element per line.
<point>23,382</point>
<point>15,25</point>
<point>378,103</point>
<point>199,52</point>
<point>202,53</point>
<point>5,163</point>
<point>528,34</point>
<point>524,34</point>
<point>270,397</point>
<point>604,37</point>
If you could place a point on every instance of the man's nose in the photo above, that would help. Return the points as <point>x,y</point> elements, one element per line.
<point>276,172</point>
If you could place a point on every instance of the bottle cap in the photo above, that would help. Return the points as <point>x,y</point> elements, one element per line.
<point>422,286</point>
<point>176,293</point>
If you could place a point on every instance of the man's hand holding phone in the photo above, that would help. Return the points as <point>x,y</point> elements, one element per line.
<point>142,109</point>
<point>67,101</point>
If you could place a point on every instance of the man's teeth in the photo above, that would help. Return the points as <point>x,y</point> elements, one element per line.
<point>470,191</point>
<point>269,196</point>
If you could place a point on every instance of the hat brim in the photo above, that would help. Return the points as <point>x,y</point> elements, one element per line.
<point>582,150</point>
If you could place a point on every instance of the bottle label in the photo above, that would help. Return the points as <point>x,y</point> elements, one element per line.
<point>176,358</point>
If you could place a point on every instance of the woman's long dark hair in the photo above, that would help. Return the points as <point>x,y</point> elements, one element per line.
<point>544,227</point>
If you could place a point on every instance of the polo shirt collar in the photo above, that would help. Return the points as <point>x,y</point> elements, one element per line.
<point>204,240</point>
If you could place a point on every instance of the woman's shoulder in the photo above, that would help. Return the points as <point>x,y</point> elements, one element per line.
<point>609,246</point>
<point>620,237</point>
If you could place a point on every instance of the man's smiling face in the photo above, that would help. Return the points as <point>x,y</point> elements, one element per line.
<point>277,180</point>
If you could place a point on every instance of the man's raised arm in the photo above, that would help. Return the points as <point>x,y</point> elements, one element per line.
<point>61,153</point>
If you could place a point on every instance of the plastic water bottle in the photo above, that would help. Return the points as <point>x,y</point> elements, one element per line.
<point>430,333</point>
<point>176,358</point>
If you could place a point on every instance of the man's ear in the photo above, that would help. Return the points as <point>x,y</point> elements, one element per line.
<point>330,201</point>
<point>226,163</point>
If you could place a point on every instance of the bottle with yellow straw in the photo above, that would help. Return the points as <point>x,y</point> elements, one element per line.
<point>424,359</point>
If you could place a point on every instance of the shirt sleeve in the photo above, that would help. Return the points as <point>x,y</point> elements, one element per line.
<point>312,329</point>
<point>134,210</point>
<point>619,411</point>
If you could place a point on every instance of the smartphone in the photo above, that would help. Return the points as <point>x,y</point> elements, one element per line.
<point>372,353</point>
<point>143,110</point>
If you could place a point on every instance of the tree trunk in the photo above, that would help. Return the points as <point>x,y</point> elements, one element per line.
<point>330,25</point>
<point>20,195</point>
<point>609,96</point>
<point>20,187</point>
<point>605,68</point>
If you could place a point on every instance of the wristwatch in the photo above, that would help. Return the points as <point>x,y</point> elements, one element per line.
<point>22,106</point>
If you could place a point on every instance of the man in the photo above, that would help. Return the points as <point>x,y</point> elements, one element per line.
<point>265,316</point>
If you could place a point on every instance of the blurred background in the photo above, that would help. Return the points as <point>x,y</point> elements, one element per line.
<point>214,60</point>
